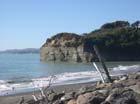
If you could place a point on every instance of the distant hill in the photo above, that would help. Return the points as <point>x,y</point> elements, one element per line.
<point>21,51</point>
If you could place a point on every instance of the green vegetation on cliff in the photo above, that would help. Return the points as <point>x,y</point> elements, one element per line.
<point>118,40</point>
<point>65,40</point>
<point>119,34</point>
<point>116,35</point>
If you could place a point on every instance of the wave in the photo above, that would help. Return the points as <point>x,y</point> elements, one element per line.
<point>132,67</point>
<point>12,86</point>
<point>121,70</point>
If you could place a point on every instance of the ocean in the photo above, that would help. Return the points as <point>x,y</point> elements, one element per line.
<point>24,72</point>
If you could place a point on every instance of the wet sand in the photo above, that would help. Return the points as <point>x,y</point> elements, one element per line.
<point>14,99</point>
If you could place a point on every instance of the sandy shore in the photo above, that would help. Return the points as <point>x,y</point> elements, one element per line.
<point>28,96</point>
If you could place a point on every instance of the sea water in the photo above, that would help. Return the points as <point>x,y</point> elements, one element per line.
<point>24,72</point>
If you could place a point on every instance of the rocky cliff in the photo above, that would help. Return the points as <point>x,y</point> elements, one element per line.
<point>117,41</point>
<point>65,47</point>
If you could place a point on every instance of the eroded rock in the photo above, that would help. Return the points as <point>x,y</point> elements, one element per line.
<point>72,101</point>
<point>90,98</point>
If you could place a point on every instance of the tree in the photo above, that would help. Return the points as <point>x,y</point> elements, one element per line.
<point>135,24</point>
<point>117,24</point>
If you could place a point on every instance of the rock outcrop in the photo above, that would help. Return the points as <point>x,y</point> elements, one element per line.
<point>116,41</point>
<point>117,92</point>
<point>65,47</point>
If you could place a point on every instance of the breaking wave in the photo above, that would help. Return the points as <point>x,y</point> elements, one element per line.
<point>13,87</point>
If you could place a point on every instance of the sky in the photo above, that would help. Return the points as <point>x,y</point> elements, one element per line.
<point>28,23</point>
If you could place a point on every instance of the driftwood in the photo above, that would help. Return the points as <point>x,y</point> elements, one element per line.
<point>21,101</point>
<point>102,62</point>
<point>99,71</point>
<point>42,96</point>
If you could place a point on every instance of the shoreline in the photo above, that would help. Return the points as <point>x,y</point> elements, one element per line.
<point>56,88</point>
<point>15,92</point>
<point>62,79</point>
<point>125,82</point>
<point>125,85</point>
<point>13,99</point>
<point>85,93</point>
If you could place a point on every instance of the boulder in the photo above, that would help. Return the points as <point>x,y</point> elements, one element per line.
<point>135,88</point>
<point>117,85</point>
<point>105,102</point>
<point>122,96</point>
<point>52,97</point>
<point>125,77</point>
<point>85,89</point>
<point>72,101</point>
<point>105,92</point>
<point>32,102</point>
<point>104,86</point>
<point>134,76</point>
<point>90,98</point>
<point>57,102</point>
<point>129,82</point>
<point>68,96</point>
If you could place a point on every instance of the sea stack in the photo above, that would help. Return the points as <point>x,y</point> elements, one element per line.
<point>68,47</point>
<point>117,41</point>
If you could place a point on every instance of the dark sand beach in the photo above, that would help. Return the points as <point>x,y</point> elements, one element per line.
<point>14,99</point>
<point>123,90</point>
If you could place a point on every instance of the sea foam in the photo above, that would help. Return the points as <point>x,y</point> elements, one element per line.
<point>8,87</point>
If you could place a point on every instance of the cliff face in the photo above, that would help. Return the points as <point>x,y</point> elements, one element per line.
<point>74,48</point>
<point>65,47</point>
<point>117,41</point>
